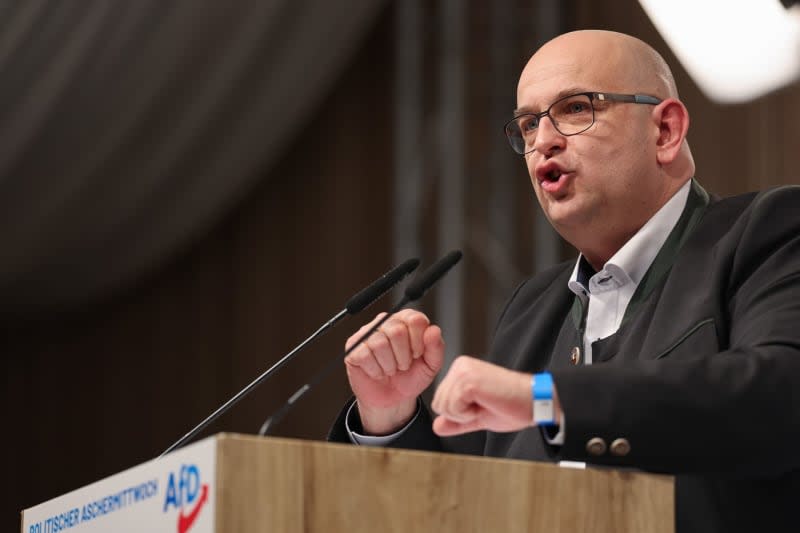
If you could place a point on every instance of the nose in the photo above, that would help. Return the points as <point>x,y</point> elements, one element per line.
<point>548,139</point>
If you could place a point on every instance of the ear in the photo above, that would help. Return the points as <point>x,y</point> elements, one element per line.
<point>672,119</point>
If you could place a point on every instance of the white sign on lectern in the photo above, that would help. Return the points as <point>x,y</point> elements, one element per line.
<point>172,494</point>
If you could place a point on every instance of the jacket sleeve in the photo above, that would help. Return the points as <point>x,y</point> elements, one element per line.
<point>418,436</point>
<point>733,410</point>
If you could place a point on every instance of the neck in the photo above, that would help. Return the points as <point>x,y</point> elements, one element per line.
<point>601,240</point>
<point>598,251</point>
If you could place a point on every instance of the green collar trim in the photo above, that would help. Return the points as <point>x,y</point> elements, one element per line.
<point>696,204</point>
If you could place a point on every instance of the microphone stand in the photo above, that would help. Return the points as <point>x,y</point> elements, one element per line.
<point>356,304</point>
<point>276,417</point>
<point>255,383</point>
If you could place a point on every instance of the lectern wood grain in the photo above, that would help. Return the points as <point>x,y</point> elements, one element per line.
<point>282,485</point>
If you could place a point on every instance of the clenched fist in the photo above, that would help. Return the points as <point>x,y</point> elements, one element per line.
<point>476,395</point>
<point>392,368</point>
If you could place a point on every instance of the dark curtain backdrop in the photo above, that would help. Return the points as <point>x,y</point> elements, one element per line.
<point>183,186</point>
<point>128,128</point>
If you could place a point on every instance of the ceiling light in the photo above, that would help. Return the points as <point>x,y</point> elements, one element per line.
<point>735,50</point>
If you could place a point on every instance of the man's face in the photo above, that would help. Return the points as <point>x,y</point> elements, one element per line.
<point>606,177</point>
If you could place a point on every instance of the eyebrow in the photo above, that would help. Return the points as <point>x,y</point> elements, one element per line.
<point>560,94</point>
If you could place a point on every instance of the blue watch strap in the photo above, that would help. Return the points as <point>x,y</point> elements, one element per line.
<point>542,397</point>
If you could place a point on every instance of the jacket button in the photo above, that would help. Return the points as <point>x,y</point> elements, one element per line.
<point>596,446</point>
<point>575,356</point>
<point>620,447</point>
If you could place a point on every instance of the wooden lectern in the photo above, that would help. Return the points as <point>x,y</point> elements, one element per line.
<point>283,485</point>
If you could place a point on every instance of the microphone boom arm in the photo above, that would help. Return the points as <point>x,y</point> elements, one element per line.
<point>255,383</point>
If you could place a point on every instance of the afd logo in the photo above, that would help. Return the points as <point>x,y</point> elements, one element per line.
<point>186,493</point>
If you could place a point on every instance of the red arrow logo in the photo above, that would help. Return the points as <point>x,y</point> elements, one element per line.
<point>185,521</point>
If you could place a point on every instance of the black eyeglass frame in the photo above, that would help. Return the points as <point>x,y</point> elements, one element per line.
<point>592,95</point>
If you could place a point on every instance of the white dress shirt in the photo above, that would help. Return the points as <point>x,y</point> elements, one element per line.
<point>608,292</point>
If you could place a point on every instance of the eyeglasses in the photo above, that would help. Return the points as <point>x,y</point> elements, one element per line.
<point>570,115</point>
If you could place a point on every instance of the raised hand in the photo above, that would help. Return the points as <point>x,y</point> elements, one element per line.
<point>476,395</point>
<point>391,369</point>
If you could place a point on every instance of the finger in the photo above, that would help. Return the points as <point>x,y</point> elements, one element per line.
<point>411,315</point>
<point>363,358</point>
<point>444,392</point>
<point>417,324</point>
<point>459,406</point>
<point>434,348</point>
<point>397,333</point>
<point>362,330</point>
<point>455,398</point>
<point>381,348</point>
<point>445,427</point>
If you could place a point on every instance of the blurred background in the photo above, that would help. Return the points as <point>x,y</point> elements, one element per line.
<point>190,188</point>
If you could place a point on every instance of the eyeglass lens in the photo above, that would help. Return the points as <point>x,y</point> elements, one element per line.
<point>570,115</point>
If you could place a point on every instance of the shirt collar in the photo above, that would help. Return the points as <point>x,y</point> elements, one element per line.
<point>635,257</point>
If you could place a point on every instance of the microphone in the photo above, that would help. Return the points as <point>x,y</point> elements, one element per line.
<point>417,288</point>
<point>380,286</point>
<point>355,304</point>
<point>414,291</point>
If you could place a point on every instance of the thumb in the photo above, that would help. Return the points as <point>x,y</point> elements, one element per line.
<point>444,427</point>
<point>434,348</point>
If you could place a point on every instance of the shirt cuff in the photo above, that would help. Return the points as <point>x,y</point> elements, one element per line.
<point>372,440</point>
<point>558,438</point>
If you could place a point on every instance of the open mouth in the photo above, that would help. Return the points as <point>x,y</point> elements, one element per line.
<point>552,178</point>
<point>553,175</point>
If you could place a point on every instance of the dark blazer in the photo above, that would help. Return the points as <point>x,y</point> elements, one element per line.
<point>702,379</point>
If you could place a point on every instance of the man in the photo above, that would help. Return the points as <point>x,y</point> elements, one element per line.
<point>673,345</point>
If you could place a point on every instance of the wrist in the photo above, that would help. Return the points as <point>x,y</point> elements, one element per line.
<point>378,421</point>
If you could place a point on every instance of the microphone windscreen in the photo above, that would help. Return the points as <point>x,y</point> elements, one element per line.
<point>426,280</point>
<point>380,286</point>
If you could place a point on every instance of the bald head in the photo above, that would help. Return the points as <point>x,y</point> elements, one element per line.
<point>616,60</point>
